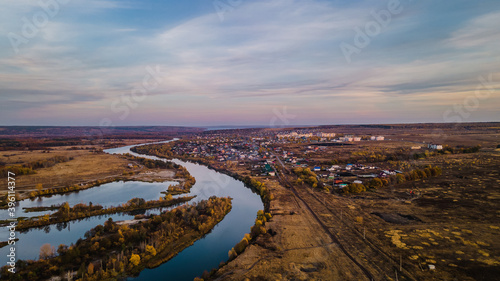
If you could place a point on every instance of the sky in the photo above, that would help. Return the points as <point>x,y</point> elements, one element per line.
<point>239,62</point>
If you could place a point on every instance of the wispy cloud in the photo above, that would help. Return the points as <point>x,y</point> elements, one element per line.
<point>264,54</point>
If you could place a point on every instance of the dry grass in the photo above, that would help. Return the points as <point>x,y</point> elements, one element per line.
<point>85,166</point>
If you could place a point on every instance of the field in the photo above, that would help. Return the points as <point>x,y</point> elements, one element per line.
<point>87,163</point>
<point>439,228</point>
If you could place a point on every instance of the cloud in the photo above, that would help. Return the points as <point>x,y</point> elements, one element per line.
<point>264,54</point>
<point>480,32</point>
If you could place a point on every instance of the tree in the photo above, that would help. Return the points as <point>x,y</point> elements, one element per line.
<point>135,259</point>
<point>47,251</point>
<point>64,210</point>
<point>376,183</point>
<point>90,269</point>
<point>151,250</point>
<point>400,178</point>
<point>39,186</point>
<point>356,188</point>
<point>232,254</point>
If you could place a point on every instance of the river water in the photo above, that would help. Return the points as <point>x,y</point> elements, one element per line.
<point>204,254</point>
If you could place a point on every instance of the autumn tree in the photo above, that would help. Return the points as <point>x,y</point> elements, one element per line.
<point>135,259</point>
<point>90,269</point>
<point>150,250</point>
<point>47,251</point>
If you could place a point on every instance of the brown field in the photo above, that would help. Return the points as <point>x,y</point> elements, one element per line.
<point>86,166</point>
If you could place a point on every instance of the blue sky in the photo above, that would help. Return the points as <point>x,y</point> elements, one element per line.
<point>240,62</point>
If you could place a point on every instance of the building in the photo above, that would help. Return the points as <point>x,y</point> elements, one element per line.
<point>267,169</point>
<point>435,146</point>
<point>295,135</point>
<point>326,135</point>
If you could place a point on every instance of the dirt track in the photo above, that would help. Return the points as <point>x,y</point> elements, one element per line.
<point>301,250</point>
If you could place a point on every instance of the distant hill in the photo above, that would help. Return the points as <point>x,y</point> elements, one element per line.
<point>94,132</point>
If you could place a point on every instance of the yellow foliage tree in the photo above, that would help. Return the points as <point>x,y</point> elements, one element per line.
<point>90,269</point>
<point>151,250</point>
<point>135,259</point>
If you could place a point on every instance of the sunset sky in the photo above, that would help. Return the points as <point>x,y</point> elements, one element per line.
<point>241,62</point>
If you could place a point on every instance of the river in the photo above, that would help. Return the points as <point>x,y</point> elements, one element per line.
<point>204,254</point>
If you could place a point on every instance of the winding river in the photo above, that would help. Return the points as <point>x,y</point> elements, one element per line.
<point>204,254</point>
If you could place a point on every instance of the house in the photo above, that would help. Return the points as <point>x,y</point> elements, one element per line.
<point>317,169</point>
<point>367,176</point>
<point>435,146</point>
<point>334,167</point>
<point>267,169</point>
<point>326,135</point>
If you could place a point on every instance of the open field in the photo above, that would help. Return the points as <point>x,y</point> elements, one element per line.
<point>85,164</point>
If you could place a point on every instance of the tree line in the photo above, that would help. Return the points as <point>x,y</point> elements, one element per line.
<point>416,174</point>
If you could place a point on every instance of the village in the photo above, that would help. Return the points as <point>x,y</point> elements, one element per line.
<point>263,153</point>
